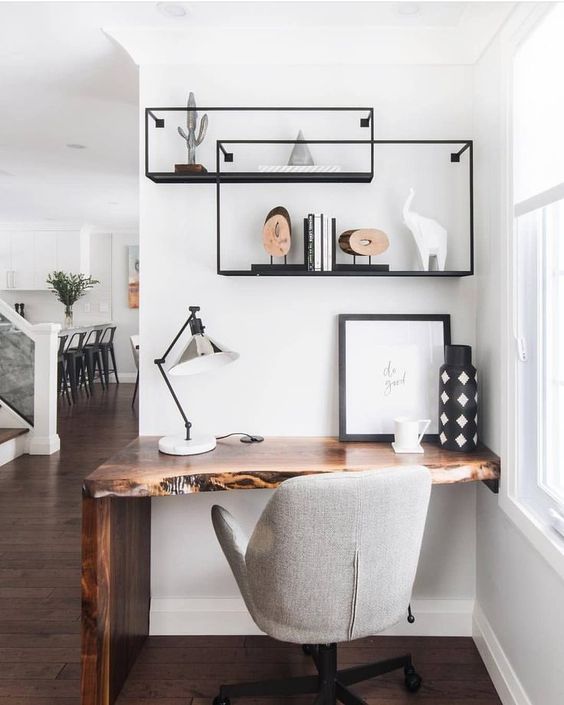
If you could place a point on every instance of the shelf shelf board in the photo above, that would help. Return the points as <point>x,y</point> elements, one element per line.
<point>343,273</point>
<point>255,177</point>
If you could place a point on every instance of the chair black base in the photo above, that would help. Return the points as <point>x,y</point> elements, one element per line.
<point>330,686</point>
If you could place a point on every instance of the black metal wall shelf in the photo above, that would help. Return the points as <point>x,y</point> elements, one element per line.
<point>344,273</point>
<point>253,177</point>
<point>455,157</point>
<point>156,119</point>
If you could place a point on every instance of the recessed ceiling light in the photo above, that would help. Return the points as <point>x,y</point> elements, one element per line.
<point>171,9</point>
<point>408,8</point>
<point>76,145</point>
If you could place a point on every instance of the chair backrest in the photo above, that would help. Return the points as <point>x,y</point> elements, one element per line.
<point>62,343</point>
<point>108,335</point>
<point>134,340</point>
<point>94,336</point>
<point>76,342</point>
<point>334,556</point>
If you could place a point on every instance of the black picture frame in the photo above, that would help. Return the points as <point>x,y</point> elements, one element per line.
<point>344,318</point>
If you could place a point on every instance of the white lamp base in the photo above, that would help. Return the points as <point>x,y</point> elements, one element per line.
<point>178,445</point>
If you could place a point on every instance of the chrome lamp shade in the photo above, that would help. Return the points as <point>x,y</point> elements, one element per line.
<point>200,355</point>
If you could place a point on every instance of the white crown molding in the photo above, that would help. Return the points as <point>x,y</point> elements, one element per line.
<point>349,45</point>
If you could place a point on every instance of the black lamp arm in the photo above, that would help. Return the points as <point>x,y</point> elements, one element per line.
<point>196,327</point>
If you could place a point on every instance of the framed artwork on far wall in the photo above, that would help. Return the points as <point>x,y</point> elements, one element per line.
<point>389,367</point>
<point>133,276</point>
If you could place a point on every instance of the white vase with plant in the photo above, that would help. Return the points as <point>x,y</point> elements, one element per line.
<point>68,288</point>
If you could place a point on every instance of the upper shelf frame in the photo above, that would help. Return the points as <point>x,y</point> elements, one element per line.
<point>366,121</point>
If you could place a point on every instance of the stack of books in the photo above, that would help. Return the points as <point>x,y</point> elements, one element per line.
<point>319,242</point>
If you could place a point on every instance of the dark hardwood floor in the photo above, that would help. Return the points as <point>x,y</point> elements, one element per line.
<point>40,600</point>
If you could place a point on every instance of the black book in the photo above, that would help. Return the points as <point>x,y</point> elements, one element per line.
<point>311,244</point>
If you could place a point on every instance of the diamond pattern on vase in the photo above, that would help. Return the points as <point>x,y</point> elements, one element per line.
<point>462,399</point>
<point>458,405</point>
<point>462,420</point>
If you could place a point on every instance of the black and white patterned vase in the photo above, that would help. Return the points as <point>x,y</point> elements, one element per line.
<point>458,400</point>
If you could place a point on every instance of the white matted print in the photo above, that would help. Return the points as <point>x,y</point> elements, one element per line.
<point>388,367</point>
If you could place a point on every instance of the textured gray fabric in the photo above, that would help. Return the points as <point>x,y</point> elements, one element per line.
<point>333,556</point>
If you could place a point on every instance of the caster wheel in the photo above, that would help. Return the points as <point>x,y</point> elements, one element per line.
<point>307,649</point>
<point>412,680</point>
<point>221,701</point>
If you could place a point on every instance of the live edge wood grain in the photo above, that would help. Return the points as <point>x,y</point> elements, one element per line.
<point>141,471</point>
<point>116,594</point>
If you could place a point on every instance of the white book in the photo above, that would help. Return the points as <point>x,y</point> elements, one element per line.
<point>328,244</point>
<point>318,242</point>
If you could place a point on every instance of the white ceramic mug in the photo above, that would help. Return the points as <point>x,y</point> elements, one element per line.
<point>409,432</point>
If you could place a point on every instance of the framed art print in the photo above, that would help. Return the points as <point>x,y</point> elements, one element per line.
<point>389,367</point>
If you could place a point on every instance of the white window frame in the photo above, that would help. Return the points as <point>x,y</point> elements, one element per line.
<point>534,526</point>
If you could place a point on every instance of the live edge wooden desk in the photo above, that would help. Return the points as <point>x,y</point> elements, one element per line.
<point>116,524</point>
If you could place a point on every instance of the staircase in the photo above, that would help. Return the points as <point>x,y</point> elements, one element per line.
<point>28,386</point>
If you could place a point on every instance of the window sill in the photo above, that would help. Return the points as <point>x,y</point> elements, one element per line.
<point>536,529</point>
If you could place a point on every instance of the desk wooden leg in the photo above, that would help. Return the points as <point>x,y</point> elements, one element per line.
<point>116,594</point>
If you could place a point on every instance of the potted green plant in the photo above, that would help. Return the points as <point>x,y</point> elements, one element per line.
<point>68,288</point>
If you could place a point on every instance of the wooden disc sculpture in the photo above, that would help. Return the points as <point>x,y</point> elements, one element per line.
<point>277,232</point>
<point>364,241</point>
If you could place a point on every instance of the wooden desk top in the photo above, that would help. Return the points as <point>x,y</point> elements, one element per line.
<point>141,471</point>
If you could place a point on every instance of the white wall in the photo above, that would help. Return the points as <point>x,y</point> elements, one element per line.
<point>519,596</point>
<point>285,329</point>
<point>126,318</point>
<point>107,301</point>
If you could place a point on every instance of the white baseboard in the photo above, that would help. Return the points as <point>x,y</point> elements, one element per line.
<point>504,678</point>
<point>228,615</point>
<point>126,377</point>
<point>12,449</point>
<point>44,445</point>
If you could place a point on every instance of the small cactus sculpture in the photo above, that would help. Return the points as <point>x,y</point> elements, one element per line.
<point>190,133</point>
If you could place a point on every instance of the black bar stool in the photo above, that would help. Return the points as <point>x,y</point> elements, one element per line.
<point>74,362</point>
<point>107,348</point>
<point>63,384</point>
<point>92,353</point>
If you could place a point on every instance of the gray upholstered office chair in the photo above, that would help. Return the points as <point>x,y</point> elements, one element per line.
<point>332,558</point>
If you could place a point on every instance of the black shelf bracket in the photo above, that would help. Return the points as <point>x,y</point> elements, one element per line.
<point>159,122</point>
<point>365,121</point>
<point>455,156</point>
<point>227,156</point>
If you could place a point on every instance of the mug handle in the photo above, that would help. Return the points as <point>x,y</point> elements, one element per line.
<point>426,423</point>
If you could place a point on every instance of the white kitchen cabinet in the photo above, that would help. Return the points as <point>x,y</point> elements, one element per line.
<point>23,263</point>
<point>28,256</point>
<point>45,257</point>
<point>5,261</point>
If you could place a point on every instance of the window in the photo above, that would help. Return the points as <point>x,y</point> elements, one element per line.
<point>538,187</point>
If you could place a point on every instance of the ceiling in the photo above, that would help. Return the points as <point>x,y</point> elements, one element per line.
<point>66,82</point>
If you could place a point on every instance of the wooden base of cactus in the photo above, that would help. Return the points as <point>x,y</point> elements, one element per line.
<point>190,169</point>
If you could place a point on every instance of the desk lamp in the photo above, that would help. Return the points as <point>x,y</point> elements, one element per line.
<point>200,354</point>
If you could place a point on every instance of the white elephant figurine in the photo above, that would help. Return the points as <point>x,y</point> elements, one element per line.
<point>430,236</point>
